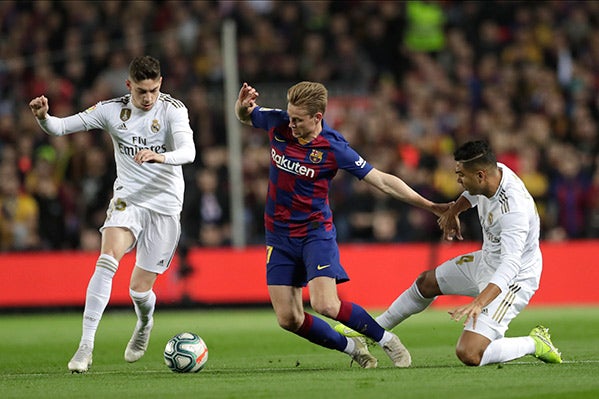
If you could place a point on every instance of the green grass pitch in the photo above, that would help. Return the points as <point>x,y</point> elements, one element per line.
<point>251,357</point>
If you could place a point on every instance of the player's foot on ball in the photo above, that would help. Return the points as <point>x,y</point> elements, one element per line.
<point>138,343</point>
<point>397,352</point>
<point>348,332</point>
<point>361,355</point>
<point>81,360</point>
<point>544,349</point>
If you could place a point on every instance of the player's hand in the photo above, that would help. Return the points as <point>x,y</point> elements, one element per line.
<point>39,107</point>
<point>247,96</point>
<point>148,156</point>
<point>469,311</point>
<point>440,209</point>
<point>449,223</point>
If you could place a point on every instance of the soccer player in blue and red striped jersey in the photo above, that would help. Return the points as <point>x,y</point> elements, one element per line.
<point>301,239</point>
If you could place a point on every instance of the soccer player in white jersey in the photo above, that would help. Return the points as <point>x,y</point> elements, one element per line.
<point>501,277</point>
<point>152,138</point>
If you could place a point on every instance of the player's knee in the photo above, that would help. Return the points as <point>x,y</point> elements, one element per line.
<point>427,284</point>
<point>140,286</point>
<point>325,308</point>
<point>289,322</point>
<point>468,356</point>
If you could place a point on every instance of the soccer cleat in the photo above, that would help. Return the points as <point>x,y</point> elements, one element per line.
<point>397,352</point>
<point>81,360</point>
<point>544,349</point>
<point>361,355</point>
<point>348,332</point>
<point>138,343</point>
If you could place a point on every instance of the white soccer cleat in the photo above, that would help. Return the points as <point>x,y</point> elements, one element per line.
<point>138,343</point>
<point>361,355</point>
<point>397,352</point>
<point>81,360</point>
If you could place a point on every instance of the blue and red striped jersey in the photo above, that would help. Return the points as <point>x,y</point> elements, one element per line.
<point>297,203</point>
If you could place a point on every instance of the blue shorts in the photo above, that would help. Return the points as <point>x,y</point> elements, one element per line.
<point>295,261</point>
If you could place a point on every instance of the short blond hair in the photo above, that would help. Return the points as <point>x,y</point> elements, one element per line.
<point>311,96</point>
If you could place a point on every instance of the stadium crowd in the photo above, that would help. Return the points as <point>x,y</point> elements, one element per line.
<point>408,82</point>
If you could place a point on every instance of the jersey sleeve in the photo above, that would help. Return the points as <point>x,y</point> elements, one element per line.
<point>55,126</point>
<point>93,117</point>
<point>178,118</point>
<point>268,118</point>
<point>514,229</point>
<point>89,119</point>
<point>473,199</point>
<point>184,151</point>
<point>349,160</point>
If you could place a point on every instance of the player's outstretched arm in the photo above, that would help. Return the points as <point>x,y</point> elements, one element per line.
<point>53,125</point>
<point>398,189</point>
<point>245,104</point>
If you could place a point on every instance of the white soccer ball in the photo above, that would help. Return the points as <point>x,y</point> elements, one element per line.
<point>186,353</point>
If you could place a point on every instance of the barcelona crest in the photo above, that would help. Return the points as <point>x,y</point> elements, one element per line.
<point>316,156</point>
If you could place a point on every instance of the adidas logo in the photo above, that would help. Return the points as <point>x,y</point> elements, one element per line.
<point>122,126</point>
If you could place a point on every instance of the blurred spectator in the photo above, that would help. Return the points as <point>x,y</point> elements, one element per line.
<point>205,220</point>
<point>18,214</point>
<point>593,213</point>
<point>425,20</point>
<point>570,194</point>
<point>43,183</point>
<point>115,74</point>
<point>95,188</point>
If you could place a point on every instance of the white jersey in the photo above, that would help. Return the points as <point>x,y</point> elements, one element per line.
<point>155,186</point>
<point>510,225</point>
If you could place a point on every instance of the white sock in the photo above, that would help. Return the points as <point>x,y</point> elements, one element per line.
<point>408,303</point>
<point>386,338</point>
<point>144,304</point>
<point>506,349</point>
<point>97,296</point>
<point>351,346</point>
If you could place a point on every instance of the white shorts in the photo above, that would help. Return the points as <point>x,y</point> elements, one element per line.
<point>468,275</point>
<point>156,235</point>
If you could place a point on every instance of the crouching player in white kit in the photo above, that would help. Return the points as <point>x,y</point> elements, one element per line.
<point>502,276</point>
<point>152,138</point>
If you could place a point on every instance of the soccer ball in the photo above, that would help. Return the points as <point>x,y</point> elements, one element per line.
<point>186,353</point>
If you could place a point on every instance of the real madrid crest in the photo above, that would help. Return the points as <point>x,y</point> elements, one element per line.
<point>155,126</point>
<point>316,156</point>
<point>490,218</point>
<point>125,114</point>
